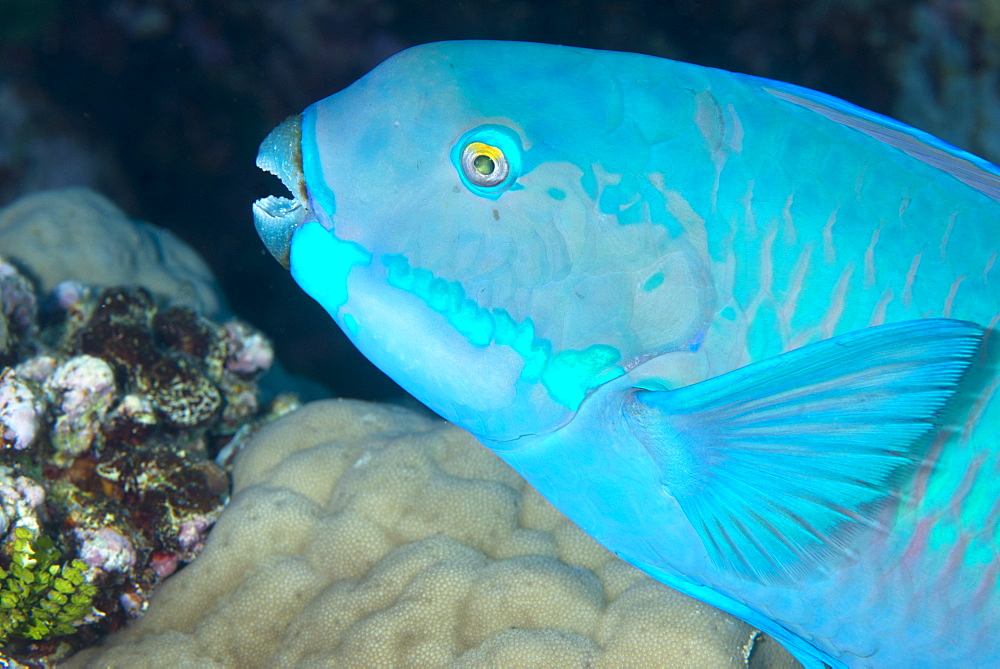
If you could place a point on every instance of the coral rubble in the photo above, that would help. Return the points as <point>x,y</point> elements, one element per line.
<point>112,408</point>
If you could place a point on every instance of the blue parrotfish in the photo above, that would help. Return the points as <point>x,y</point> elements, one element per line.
<point>740,332</point>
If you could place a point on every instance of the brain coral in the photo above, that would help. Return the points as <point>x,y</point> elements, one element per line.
<point>368,535</point>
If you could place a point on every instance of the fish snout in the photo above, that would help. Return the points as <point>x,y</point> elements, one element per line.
<point>277,218</point>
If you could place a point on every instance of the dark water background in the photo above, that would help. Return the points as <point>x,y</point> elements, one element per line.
<point>161,104</point>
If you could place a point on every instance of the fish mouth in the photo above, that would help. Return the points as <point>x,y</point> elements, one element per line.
<point>276,218</point>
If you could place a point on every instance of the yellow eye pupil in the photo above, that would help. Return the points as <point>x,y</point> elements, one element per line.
<point>484,165</point>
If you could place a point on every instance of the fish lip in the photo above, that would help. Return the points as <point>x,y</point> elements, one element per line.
<point>276,218</point>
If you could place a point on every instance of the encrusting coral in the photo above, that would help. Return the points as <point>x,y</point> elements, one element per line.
<point>368,535</point>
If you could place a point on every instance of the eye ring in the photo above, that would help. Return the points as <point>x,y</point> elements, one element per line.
<point>484,165</point>
<point>489,160</point>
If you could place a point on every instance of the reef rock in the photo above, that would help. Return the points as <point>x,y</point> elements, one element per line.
<point>75,233</point>
<point>368,535</point>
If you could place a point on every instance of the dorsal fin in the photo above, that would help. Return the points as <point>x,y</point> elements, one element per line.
<point>970,169</point>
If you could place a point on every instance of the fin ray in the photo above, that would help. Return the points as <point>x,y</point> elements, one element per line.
<point>778,465</point>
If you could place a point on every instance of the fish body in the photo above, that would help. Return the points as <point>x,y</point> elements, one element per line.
<point>739,331</point>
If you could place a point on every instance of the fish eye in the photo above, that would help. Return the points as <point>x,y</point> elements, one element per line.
<point>488,160</point>
<point>484,165</point>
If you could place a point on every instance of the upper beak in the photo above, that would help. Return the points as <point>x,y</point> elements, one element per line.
<point>276,218</point>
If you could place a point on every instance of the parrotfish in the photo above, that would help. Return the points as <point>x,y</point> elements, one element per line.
<point>739,331</point>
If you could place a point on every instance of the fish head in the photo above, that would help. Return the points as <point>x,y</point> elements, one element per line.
<point>479,219</point>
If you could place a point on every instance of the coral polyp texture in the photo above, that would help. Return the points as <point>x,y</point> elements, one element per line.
<point>368,535</point>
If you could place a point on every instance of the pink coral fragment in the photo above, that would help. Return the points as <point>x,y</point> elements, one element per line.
<point>105,549</point>
<point>249,351</point>
<point>21,411</point>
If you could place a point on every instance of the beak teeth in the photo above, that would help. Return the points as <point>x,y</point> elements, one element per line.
<point>276,218</point>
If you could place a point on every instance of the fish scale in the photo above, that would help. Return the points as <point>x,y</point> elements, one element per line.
<point>740,332</point>
<point>892,247</point>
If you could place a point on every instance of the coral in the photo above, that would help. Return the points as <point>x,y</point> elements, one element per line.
<point>179,391</point>
<point>81,390</point>
<point>108,417</point>
<point>192,372</point>
<point>41,597</point>
<point>248,351</point>
<point>20,500</point>
<point>362,534</point>
<point>22,410</point>
<point>19,303</point>
<point>18,310</point>
<point>105,549</point>
<point>169,360</point>
<point>37,369</point>
<point>131,422</point>
<point>77,234</point>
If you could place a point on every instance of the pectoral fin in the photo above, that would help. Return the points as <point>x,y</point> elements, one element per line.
<point>778,465</point>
